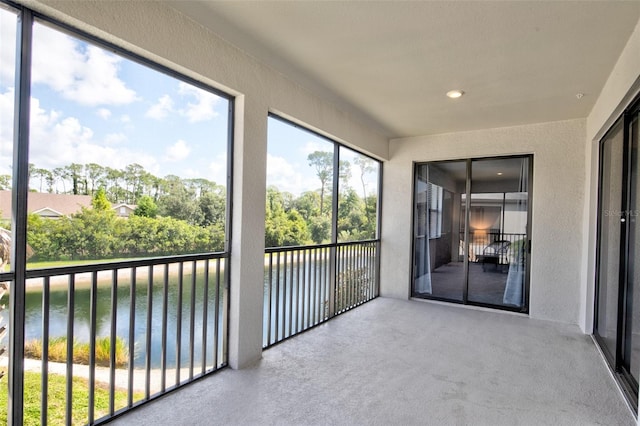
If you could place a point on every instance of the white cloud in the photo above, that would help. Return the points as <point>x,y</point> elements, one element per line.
<point>160,109</point>
<point>218,169</point>
<point>191,173</point>
<point>287,177</point>
<point>178,151</point>
<point>313,146</point>
<point>57,141</point>
<point>125,118</point>
<point>6,131</point>
<point>203,107</point>
<point>8,46</point>
<point>82,73</point>
<point>115,138</point>
<point>104,113</point>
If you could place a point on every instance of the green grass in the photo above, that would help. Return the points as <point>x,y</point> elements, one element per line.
<point>56,263</point>
<point>57,400</point>
<point>58,351</point>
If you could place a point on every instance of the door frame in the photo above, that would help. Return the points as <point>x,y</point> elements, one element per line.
<point>465,301</point>
<point>627,381</point>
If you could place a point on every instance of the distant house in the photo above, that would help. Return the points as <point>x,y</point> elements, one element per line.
<point>47,205</point>
<point>124,210</point>
<point>53,206</point>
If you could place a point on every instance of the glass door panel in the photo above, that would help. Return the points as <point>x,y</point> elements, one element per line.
<point>498,214</point>
<point>439,250</point>
<point>631,355</point>
<point>617,306</point>
<point>608,277</point>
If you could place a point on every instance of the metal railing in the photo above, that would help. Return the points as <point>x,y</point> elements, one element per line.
<point>135,329</point>
<point>357,274</point>
<point>306,286</point>
<point>498,247</point>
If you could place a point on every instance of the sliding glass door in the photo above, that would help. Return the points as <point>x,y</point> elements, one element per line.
<point>617,308</point>
<point>471,231</point>
<point>439,267</point>
<point>610,237</point>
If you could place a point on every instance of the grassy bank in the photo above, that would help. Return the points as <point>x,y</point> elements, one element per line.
<point>57,398</point>
<point>81,351</point>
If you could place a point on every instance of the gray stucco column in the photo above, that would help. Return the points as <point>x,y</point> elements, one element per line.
<point>247,238</point>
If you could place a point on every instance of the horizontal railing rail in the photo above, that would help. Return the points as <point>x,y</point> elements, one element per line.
<point>305,286</point>
<point>124,332</point>
<point>327,245</point>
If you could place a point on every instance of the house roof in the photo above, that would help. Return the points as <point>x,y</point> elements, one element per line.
<point>127,206</point>
<point>48,212</point>
<point>389,64</point>
<point>65,204</point>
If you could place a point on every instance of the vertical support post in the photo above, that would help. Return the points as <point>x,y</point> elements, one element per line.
<point>147,360</point>
<point>333,255</point>
<point>19,217</point>
<point>44,377</point>
<point>132,336</point>
<point>376,290</point>
<point>165,309</point>
<point>113,336</point>
<point>467,233</point>
<point>179,321</point>
<point>192,317</point>
<point>216,324</point>
<point>93,308</point>
<point>247,263</point>
<point>71,308</point>
<point>205,314</point>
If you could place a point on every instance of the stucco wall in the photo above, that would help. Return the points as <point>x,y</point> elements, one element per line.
<point>621,87</point>
<point>557,217</point>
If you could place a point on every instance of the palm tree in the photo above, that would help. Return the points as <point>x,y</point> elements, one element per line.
<point>5,248</point>
<point>5,254</point>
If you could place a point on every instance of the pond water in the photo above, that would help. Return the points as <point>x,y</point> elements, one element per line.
<point>178,316</point>
<point>298,300</point>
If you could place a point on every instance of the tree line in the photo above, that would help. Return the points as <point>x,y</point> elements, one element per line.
<point>306,219</point>
<point>98,233</point>
<point>177,216</point>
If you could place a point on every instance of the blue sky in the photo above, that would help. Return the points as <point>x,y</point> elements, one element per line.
<point>287,164</point>
<point>90,105</point>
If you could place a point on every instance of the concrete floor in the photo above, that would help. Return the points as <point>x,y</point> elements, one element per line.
<point>393,362</point>
<point>485,285</point>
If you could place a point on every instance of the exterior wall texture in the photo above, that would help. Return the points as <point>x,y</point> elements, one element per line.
<point>557,208</point>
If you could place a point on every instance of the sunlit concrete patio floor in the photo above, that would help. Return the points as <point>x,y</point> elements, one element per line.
<point>393,362</point>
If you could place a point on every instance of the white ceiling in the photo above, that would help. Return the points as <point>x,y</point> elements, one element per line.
<point>390,63</point>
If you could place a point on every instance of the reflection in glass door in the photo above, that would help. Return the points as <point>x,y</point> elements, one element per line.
<point>617,316</point>
<point>471,231</point>
<point>439,268</point>
<point>498,231</point>
<point>631,354</point>
<point>612,158</point>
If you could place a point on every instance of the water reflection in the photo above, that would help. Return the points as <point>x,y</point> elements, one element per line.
<point>178,307</point>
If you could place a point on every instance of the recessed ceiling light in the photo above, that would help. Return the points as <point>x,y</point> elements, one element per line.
<point>453,94</point>
<point>499,173</point>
